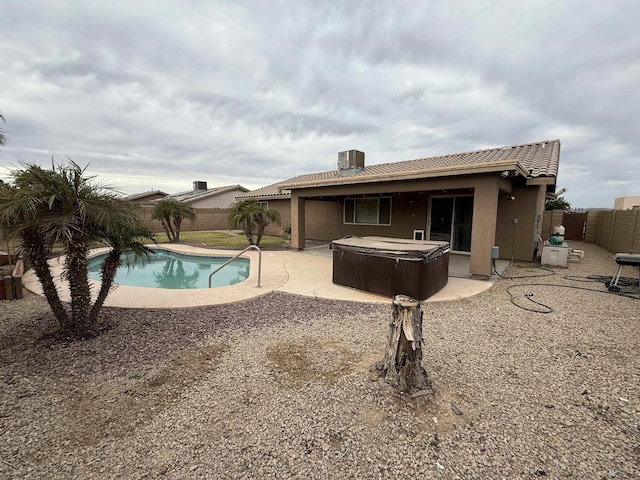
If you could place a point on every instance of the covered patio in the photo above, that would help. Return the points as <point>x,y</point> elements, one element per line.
<point>473,200</point>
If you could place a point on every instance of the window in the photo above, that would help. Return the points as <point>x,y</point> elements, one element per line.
<point>264,205</point>
<point>368,211</point>
<point>451,220</point>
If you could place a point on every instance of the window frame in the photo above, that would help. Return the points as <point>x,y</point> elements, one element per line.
<point>455,196</point>
<point>355,200</point>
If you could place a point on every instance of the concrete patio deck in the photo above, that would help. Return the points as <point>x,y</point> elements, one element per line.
<point>307,273</point>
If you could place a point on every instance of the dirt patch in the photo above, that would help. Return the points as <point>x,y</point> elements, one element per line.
<point>312,360</point>
<point>115,406</point>
<point>319,360</point>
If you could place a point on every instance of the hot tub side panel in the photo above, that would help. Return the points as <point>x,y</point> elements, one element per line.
<point>364,272</point>
<point>435,275</point>
<point>390,276</point>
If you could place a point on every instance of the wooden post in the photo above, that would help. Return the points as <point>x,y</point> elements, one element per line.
<point>402,364</point>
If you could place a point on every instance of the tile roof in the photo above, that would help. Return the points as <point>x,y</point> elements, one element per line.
<point>194,195</point>
<point>270,191</point>
<point>151,193</point>
<point>538,159</point>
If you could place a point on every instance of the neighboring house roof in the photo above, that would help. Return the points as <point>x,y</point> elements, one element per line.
<point>533,160</point>
<point>142,196</point>
<point>195,195</point>
<point>270,191</point>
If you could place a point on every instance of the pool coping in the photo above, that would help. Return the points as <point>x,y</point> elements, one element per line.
<point>307,273</point>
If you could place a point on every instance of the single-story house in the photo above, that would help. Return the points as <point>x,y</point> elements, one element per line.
<point>275,198</point>
<point>202,197</point>
<point>474,200</point>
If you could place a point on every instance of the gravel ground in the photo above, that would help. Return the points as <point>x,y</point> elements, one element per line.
<point>280,387</point>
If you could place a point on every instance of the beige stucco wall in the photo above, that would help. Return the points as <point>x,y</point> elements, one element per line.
<point>626,203</point>
<point>483,235</point>
<point>408,216</point>
<point>298,231</point>
<point>223,200</point>
<point>323,220</point>
<point>283,206</point>
<point>408,213</point>
<point>517,239</point>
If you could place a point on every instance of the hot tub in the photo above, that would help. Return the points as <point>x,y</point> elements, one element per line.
<point>391,266</point>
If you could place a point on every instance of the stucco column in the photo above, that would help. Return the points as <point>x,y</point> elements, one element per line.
<point>297,221</point>
<point>537,233</point>
<point>485,214</point>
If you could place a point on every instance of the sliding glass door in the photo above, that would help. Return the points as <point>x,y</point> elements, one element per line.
<point>450,220</point>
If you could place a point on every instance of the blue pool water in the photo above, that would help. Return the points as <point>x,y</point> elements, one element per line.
<point>165,269</point>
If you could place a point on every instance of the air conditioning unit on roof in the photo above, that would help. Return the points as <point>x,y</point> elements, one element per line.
<point>351,159</point>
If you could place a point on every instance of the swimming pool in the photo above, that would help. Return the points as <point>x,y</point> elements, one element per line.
<point>166,269</point>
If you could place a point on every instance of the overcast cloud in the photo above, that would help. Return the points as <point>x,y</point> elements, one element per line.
<point>157,94</point>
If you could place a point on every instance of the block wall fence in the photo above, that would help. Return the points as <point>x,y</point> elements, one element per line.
<point>617,231</point>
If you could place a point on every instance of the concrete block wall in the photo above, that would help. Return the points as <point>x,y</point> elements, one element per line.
<point>550,219</point>
<point>215,219</point>
<point>206,219</point>
<point>617,231</point>
<point>592,230</point>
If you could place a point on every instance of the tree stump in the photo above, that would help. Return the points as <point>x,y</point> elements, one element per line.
<point>402,364</point>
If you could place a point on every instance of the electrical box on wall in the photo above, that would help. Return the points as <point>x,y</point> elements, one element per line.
<point>495,253</point>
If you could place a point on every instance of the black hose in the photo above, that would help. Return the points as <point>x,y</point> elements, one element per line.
<point>626,288</point>
<point>540,267</point>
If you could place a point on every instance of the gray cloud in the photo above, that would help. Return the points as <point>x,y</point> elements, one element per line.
<point>160,93</point>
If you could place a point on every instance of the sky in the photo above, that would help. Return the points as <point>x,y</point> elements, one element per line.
<point>153,95</point>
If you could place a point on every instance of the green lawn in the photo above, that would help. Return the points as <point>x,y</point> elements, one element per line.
<point>224,239</point>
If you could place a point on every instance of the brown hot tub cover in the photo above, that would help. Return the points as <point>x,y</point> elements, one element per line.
<point>391,266</point>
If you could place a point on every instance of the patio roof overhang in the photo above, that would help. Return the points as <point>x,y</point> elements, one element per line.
<point>501,166</point>
<point>286,196</point>
<point>541,181</point>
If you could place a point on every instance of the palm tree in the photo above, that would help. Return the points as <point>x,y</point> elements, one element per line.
<point>263,218</point>
<point>252,218</point>
<point>3,138</point>
<point>123,238</point>
<point>558,202</point>
<point>22,214</point>
<point>63,206</point>
<point>171,212</point>
<point>241,216</point>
